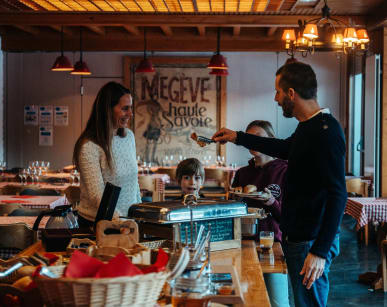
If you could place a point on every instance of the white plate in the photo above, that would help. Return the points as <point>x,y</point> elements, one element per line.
<point>254,194</point>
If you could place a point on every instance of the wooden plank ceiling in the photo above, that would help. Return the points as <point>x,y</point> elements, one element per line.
<point>172,25</point>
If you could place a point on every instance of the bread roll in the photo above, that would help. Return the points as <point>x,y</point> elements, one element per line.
<point>249,189</point>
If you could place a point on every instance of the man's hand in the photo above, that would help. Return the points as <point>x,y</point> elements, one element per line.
<point>313,269</point>
<point>225,135</point>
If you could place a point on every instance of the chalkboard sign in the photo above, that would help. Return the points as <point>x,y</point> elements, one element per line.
<point>221,229</point>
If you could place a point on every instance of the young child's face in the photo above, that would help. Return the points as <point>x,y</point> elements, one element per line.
<point>191,184</point>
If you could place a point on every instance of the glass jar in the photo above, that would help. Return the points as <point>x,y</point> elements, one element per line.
<point>191,292</point>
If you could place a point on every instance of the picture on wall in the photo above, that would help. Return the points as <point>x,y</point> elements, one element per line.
<point>169,105</point>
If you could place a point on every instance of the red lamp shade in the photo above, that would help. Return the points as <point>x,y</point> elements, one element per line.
<point>219,72</point>
<point>145,66</point>
<point>218,61</point>
<point>80,68</point>
<point>62,63</point>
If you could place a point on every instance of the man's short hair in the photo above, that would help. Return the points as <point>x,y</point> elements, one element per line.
<point>300,77</point>
<point>189,167</point>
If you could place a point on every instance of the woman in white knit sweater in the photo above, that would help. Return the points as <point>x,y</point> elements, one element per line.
<point>106,152</point>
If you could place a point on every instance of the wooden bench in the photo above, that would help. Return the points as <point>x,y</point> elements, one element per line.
<point>273,260</point>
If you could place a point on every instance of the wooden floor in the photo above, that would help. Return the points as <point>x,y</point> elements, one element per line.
<point>352,261</point>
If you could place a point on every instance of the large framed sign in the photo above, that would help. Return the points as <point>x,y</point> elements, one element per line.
<point>181,97</point>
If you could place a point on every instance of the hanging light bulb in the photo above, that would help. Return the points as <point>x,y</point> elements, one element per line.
<point>80,67</point>
<point>145,65</point>
<point>62,63</point>
<point>218,61</point>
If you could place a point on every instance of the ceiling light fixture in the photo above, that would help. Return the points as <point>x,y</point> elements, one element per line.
<point>306,40</point>
<point>80,67</point>
<point>218,61</point>
<point>145,65</point>
<point>62,63</point>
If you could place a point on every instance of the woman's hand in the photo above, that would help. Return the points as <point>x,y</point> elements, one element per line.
<point>267,198</point>
<point>225,135</point>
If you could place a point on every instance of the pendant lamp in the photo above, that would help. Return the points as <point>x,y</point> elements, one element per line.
<point>145,65</point>
<point>80,67</point>
<point>62,63</point>
<point>218,61</point>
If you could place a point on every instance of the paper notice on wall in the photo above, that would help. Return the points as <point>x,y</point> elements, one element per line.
<point>45,116</point>
<point>31,115</point>
<point>45,136</point>
<point>61,116</point>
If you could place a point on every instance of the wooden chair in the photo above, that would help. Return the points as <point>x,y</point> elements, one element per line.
<point>10,190</point>
<point>15,237</point>
<point>73,194</point>
<point>172,189</point>
<point>149,183</point>
<point>6,209</point>
<point>357,186</point>
<point>220,176</point>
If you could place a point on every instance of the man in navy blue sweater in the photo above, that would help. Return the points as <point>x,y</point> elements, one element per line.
<point>314,193</point>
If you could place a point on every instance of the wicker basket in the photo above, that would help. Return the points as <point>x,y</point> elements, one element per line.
<point>140,290</point>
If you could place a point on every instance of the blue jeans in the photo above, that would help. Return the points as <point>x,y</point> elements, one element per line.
<point>277,288</point>
<point>295,254</point>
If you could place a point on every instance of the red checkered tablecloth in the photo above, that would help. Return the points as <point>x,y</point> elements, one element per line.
<point>367,209</point>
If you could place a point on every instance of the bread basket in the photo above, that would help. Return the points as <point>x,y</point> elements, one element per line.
<point>136,291</point>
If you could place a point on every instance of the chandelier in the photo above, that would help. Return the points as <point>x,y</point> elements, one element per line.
<point>305,41</point>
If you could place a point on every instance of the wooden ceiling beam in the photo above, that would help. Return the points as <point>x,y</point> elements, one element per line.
<point>131,29</point>
<point>28,29</point>
<point>166,30</point>
<point>202,30</point>
<point>133,43</point>
<point>180,20</point>
<point>96,29</point>
<point>236,31</point>
<point>66,30</point>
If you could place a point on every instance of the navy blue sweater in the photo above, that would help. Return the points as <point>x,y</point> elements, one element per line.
<point>315,192</point>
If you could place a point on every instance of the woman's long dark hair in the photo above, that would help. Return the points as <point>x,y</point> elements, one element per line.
<point>100,124</point>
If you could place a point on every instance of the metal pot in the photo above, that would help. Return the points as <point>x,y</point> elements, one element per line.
<point>249,226</point>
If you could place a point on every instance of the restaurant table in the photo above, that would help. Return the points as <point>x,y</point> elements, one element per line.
<point>245,260</point>
<point>28,220</point>
<point>365,210</point>
<point>163,177</point>
<point>34,201</point>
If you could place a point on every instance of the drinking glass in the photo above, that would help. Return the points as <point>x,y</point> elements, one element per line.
<point>266,239</point>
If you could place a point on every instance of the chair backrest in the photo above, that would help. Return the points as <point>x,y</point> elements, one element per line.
<point>39,192</point>
<point>10,190</point>
<point>146,183</point>
<point>73,194</point>
<point>16,236</point>
<point>356,185</point>
<point>6,209</point>
<point>170,171</point>
<point>217,174</point>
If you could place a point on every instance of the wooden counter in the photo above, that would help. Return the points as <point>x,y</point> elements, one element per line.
<point>272,261</point>
<point>247,264</point>
<point>245,260</point>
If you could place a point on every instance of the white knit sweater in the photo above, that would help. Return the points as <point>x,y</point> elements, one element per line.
<point>95,172</point>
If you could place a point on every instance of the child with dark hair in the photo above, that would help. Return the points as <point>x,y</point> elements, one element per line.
<point>190,176</point>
